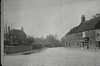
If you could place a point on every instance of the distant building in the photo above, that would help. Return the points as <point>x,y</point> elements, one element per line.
<point>17,34</point>
<point>14,36</point>
<point>87,34</point>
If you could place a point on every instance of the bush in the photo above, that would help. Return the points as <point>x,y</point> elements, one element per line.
<point>37,46</point>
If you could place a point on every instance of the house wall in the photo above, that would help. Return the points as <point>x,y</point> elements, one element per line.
<point>76,39</point>
<point>97,37</point>
<point>94,36</point>
<point>91,35</point>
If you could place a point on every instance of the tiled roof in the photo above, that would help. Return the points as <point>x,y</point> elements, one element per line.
<point>91,24</point>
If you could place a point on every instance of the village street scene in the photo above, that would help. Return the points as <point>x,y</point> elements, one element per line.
<point>51,33</point>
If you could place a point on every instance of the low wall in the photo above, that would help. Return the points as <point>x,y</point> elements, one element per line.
<point>16,49</point>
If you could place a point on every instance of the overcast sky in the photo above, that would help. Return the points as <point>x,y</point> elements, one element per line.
<point>43,17</point>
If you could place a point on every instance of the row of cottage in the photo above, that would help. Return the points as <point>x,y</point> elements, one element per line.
<point>86,34</point>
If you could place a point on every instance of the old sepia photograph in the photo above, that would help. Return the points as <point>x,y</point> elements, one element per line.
<point>50,32</point>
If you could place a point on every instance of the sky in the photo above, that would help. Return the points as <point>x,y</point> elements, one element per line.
<point>43,17</point>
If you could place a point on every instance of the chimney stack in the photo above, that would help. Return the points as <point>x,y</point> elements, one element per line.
<point>22,28</point>
<point>82,19</point>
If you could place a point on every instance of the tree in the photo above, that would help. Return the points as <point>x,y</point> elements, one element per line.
<point>29,40</point>
<point>52,40</point>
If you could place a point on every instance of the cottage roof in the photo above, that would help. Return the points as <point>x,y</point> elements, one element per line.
<point>91,24</point>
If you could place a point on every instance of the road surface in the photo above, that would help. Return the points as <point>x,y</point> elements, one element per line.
<point>55,57</point>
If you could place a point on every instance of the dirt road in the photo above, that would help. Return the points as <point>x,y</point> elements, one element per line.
<point>55,57</point>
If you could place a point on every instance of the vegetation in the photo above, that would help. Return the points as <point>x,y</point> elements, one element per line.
<point>18,42</point>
